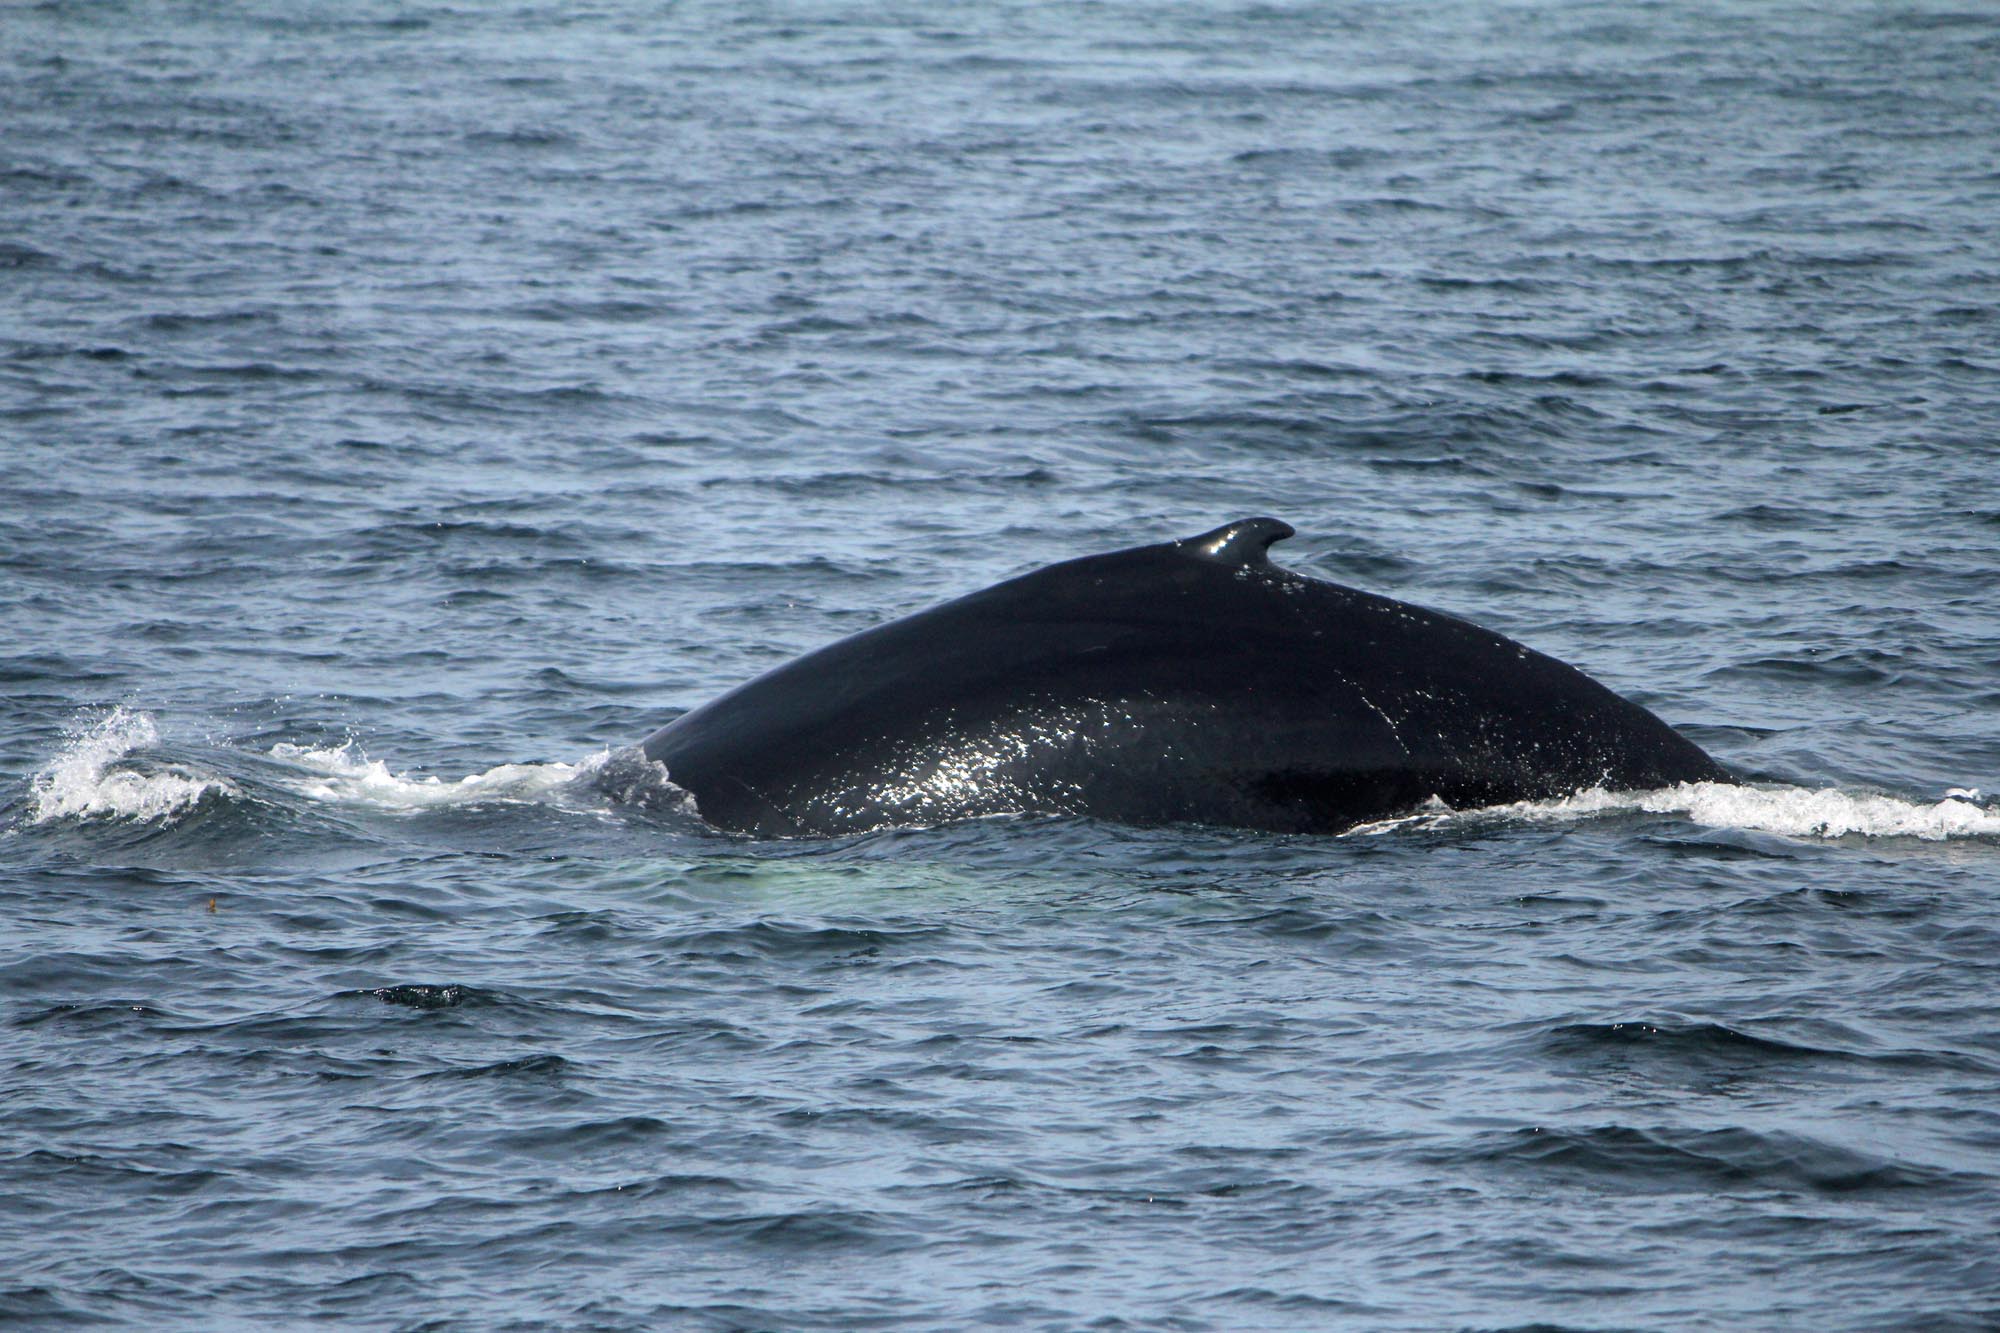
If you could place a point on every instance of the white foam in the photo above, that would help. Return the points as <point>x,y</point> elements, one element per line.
<point>80,782</point>
<point>1800,812</point>
<point>344,774</point>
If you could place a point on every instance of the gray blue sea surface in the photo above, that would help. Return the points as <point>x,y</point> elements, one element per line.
<point>405,406</point>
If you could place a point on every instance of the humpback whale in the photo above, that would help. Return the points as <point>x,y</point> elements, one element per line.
<point>1186,682</point>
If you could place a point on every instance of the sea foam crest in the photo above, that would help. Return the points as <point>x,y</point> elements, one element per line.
<point>1800,812</point>
<point>84,781</point>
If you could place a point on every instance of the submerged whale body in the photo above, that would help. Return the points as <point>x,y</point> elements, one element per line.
<point>1192,681</point>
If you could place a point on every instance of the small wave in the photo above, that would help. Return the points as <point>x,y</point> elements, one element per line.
<point>785,939</point>
<point>1692,1040</point>
<point>545,1065</point>
<point>90,778</point>
<point>1731,1158</point>
<point>1800,812</point>
<point>1695,1045</point>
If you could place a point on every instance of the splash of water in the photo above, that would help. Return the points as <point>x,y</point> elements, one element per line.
<point>87,778</point>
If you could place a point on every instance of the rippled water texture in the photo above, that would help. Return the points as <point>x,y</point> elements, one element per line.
<point>402,409</point>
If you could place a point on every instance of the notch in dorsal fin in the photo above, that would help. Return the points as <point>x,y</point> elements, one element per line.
<point>1246,542</point>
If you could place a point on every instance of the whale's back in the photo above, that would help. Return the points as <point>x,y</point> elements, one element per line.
<point>1191,681</point>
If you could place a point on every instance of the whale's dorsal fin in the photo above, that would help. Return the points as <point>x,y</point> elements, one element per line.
<point>1246,542</point>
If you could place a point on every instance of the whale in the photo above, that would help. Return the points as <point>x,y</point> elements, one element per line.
<point>1185,682</point>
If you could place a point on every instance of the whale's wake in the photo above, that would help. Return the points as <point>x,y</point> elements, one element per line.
<point>1798,812</point>
<point>111,771</point>
<point>345,775</point>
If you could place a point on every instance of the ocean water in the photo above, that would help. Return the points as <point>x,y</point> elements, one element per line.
<point>405,407</point>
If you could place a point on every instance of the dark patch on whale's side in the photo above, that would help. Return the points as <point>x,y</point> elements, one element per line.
<point>1192,681</point>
